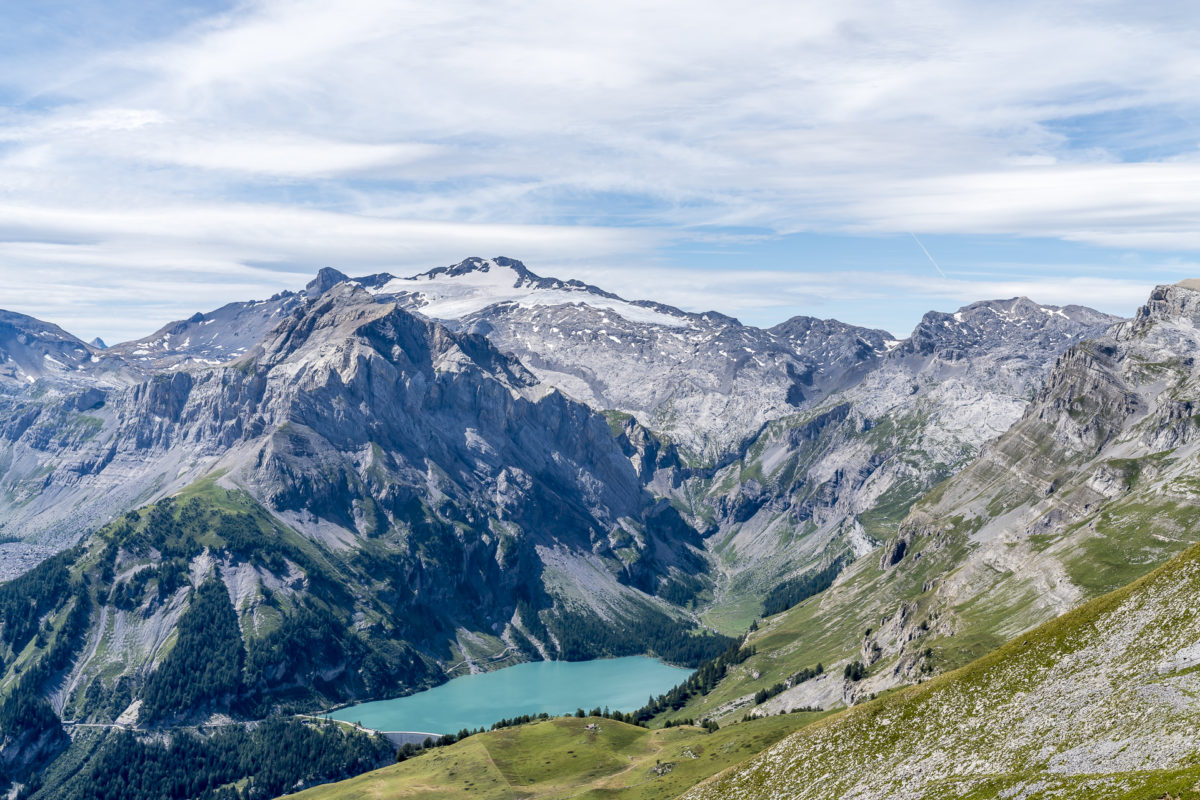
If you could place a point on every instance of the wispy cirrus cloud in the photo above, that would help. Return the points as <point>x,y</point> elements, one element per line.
<point>376,134</point>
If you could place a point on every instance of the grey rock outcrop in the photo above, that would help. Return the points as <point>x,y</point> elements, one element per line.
<point>842,476</point>
<point>705,381</point>
<point>348,419</point>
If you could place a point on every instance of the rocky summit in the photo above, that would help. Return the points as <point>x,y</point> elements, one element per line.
<point>370,485</point>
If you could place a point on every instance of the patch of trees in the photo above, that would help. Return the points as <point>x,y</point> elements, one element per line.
<point>699,683</point>
<point>26,715</point>
<point>167,577</point>
<point>521,719</point>
<point>68,638</point>
<point>531,619</point>
<point>533,624</point>
<point>855,671</point>
<point>26,711</point>
<point>266,760</point>
<point>582,637</point>
<point>106,703</point>
<point>681,590</point>
<point>171,537</point>
<point>205,666</point>
<point>25,600</point>
<point>806,674</point>
<point>176,533</point>
<point>763,695</point>
<point>306,640</point>
<point>244,539</point>
<point>709,725</point>
<point>127,595</point>
<point>618,716</point>
<point>408,749</point>
<point>311,641</point>
<point>182,530</point>
<point>797,590</point>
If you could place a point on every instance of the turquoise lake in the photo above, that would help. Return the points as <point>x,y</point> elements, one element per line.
<point>554,687</point>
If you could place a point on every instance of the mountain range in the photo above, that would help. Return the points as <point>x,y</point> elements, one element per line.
<point>396,480</point>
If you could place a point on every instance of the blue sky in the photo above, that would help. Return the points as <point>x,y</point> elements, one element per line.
<point>764,160</point>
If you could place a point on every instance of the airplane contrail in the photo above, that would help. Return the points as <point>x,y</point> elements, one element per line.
<point>926,252</point>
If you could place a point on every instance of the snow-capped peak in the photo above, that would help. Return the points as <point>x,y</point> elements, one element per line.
<point>472,285</point>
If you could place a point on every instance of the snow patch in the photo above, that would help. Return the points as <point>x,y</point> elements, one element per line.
<point>454,297</point>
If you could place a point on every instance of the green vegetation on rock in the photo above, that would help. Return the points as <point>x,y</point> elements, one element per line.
<point>205,665</point>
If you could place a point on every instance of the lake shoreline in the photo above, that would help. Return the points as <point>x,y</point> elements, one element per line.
<point>552,687</point>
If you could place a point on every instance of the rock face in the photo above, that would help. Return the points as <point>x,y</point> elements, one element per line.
<point>704,381</point>
<point>786,447</point>
<point>841,477</point>
<point>371,431</point>
<point>797,443</point>
<point>1109,436</point>
<point>801,441</point>
<point>211,338</point>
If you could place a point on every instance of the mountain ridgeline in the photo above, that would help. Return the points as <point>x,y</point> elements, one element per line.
<point>367,487</point>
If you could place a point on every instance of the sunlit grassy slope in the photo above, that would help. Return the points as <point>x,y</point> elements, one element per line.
<point>561,758</point>
<point>1101,703</point>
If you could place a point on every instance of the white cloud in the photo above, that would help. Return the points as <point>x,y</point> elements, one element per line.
<point>74,266</point>
<point>1111,204</point>
<point>752,290</point>
<point>394,133</point>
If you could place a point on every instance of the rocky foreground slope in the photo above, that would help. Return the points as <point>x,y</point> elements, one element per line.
<point>1100,703</point>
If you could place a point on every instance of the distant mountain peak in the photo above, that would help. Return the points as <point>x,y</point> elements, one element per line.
<point>326,279</point>
<point>98,343</point>
<point>31,348</point>
<point>463,289</point>
<point>984,325</point>
<point>475,264</point>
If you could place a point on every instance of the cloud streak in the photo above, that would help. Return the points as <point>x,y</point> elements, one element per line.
<point>764,297</point>
<point>383,134</point>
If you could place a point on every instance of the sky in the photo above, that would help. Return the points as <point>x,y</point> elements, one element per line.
<point>868,161</point>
